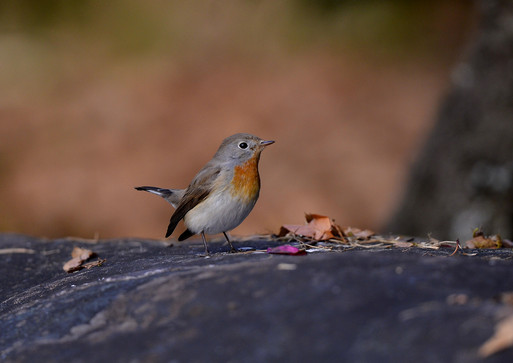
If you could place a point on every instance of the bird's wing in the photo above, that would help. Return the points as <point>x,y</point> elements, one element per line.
<point>198,190</point>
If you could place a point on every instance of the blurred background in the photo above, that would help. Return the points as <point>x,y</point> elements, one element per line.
<point>97,97</point>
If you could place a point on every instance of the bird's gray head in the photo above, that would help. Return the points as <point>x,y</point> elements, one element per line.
<point>240,148</point>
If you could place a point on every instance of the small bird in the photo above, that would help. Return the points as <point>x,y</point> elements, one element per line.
<point>223,192</point>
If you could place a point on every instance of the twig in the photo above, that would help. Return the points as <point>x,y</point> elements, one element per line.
<point>457,247</point>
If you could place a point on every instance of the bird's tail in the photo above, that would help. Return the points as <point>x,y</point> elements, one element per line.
<point>172,196</point>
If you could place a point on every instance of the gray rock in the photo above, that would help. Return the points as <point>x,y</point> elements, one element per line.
<point>152,303</point>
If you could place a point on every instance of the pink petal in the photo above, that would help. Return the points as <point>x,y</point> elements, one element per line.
<point>286,250</point>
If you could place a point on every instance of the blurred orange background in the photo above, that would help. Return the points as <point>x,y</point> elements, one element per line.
<point>98,97</point>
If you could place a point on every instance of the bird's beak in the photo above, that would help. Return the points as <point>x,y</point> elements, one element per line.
<point>266,143</point>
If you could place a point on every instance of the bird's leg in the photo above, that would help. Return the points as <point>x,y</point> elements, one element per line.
<point>228,240</point>
<point>205,243</point>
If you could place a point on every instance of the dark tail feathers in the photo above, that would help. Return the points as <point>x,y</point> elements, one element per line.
<point>164,193</point>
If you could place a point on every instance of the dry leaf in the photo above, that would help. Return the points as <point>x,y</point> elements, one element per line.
<point>81,253</point>
<point>501,339</point>
<point>79,256</point>
<point>357,232</point>
<point>323,228</point>
<point>318,227</point>
<point>403,244</point>
<point>305,231</point>
<point>94,263</point>
<point>73,265</point>
<point>322,225</point>
<point>481,241</point>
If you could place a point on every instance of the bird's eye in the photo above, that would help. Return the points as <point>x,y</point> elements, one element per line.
<point>243,145</point>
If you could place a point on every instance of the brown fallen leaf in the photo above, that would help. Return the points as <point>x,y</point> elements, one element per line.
<point>82,253</point>
<point>73,265</point>
<point>322,228</point>
<point>305,231</point>
<point>96,263</point>
<point>79,256</point>
<point>403,244</point>
<point>501,339</point>
<point>323,222</point>
<point>318,227</point>
<point>481,241</point>
<point>357,232</point>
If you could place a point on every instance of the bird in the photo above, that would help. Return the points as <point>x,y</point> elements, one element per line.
<point>223,192</point>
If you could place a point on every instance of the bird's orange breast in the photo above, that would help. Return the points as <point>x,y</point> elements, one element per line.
<point>246,181</point>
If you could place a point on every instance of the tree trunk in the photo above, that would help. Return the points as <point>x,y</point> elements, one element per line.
<point>463,177</point>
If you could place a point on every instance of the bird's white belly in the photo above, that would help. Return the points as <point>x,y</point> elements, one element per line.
<point>219,212</point>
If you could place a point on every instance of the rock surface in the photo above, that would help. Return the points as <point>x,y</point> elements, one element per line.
<point>153,303</point>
